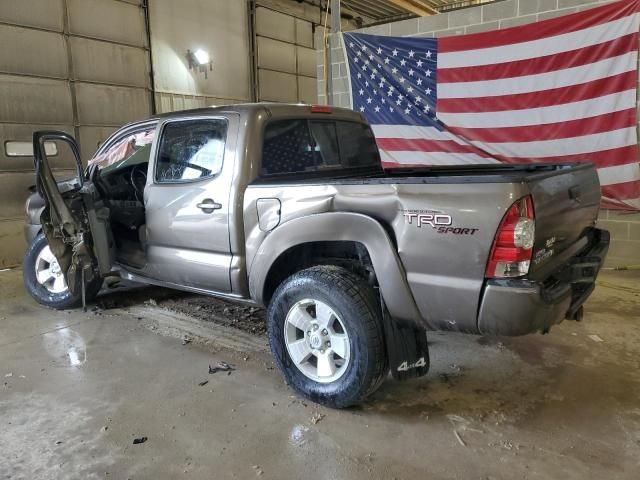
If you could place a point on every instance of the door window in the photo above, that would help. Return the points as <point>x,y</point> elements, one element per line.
<point>131,150</point>
<point>191,150</point>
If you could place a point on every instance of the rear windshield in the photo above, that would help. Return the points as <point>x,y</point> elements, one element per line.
<point>304,145</point>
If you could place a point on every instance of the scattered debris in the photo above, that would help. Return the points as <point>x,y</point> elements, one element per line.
<point>317,417</point>
<point>222,367</point>
<point>258,470</point>
<point>459,438</point>
<point>242,317</point>
<point>202,384</point>
<point>152,301</point>
<point>105,428</point>
<point>139,440</point>
<point>507,444</point>
<point>186,340</point>
<point>596,338</point>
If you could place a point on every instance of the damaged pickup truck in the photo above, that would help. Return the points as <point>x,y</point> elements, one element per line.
<point>288,207</point>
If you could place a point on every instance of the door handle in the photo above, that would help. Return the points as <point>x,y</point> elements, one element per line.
<point>208,205</point>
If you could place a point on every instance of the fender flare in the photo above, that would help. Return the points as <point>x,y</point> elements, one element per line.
<point>340,226</point>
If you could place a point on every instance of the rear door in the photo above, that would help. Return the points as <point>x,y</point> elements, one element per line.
<point>187,203</point>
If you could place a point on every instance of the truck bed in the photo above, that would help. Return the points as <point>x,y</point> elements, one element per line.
<point>445,266</point>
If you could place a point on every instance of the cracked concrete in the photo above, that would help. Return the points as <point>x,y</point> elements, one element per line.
<point>76,388</point>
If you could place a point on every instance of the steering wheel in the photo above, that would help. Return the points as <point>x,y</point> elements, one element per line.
<point>138,180</point>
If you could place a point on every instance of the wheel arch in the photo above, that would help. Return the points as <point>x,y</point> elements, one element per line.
<point>277,256</point>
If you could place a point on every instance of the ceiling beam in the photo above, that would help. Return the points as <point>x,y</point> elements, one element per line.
<point>415,6</point>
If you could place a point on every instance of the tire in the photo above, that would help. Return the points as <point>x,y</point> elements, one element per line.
<point>53,293</point>
<point>313,295</point>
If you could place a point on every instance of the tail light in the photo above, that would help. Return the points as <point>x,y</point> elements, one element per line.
<point>321,109</point>
<point>513,245</point>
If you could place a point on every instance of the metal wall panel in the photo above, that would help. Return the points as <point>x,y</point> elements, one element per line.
<point>34,100</point>
<point>304,33</point>
<point>306,61</point>
<point>91,138</point>
<point>105,62</point>
<point>171,102</point>
<point>276,25</point>
<point>308,90</point>
<point>46,14</point>
<point>108,105</point>
<point>32,52</point>
<point>278,87</point>
<point>11,232</point>
<point>21,132</point>
<point>107,20</point>
<point>276,55</point>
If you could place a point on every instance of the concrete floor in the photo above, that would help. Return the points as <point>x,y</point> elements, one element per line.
<point>79,387</point>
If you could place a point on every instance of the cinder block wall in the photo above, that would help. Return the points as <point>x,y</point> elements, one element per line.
<point>624,228</point>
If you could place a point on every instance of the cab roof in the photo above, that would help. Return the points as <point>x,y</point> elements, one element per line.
<point>274,109</point>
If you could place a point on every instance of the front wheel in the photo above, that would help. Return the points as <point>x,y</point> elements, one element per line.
<point>325,330</point>
<point>45,281</point>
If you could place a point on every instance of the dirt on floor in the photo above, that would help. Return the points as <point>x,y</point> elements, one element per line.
<point>208,309</point>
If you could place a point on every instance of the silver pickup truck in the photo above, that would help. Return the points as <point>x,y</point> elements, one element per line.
<point>288,207</point>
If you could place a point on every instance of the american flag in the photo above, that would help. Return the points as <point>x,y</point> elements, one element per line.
<point>560,90</point>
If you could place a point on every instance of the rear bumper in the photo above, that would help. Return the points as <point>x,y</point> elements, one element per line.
<point>520,306</point>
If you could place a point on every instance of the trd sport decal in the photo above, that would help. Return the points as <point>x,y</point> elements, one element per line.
<point>441,222</point>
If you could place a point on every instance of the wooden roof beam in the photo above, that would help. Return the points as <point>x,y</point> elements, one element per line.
<point>415,6</point>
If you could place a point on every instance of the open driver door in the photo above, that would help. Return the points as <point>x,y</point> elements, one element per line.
<point>75,218</point>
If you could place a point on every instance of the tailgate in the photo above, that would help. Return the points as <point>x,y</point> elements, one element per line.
<point>566,204</point>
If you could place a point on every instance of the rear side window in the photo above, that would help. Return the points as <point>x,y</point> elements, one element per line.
<point>191,150</point>
<point>303,145</point>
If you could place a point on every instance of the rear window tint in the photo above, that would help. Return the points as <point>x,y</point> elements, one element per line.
<point>304,145</point>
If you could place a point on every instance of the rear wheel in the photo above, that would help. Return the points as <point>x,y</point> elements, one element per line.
<point>45,281</point>
<point>325,331</point>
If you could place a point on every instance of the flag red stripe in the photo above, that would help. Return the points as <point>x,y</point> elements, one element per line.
<point>427,146</point>
<point>544,98</point>
<point>622,191</point>
<point>545,64</point>
<point>545,29</point>
<point>601,159</point>
<point>551,131</point>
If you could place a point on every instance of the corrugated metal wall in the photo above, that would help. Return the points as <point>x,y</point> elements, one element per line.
<point>81,66</point>
<point>286,57</point>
